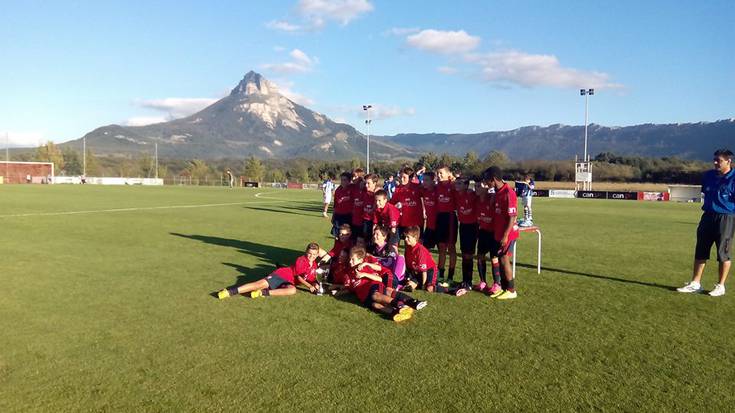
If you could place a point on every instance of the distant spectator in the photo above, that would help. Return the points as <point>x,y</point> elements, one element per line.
<point>524,190</point>
<point>389,186</point>
<point>28,178</point>
<point>230,178</point>
<point>327,191</point>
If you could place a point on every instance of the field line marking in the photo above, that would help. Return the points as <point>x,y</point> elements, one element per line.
<point>95,211</point>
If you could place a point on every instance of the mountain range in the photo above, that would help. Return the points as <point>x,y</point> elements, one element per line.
<point>256,119</point>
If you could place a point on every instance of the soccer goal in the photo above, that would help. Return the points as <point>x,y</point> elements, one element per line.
<point>27,172</point>
<point>685,193</point>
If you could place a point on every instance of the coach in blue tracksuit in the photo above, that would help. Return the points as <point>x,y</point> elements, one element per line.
<point>717,225</point>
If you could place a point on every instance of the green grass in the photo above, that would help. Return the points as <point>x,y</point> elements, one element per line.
<point>111,311</point>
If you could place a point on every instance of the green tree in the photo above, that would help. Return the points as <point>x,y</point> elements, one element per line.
<point>254,169</point>
<point>93,165</point>
<point>147,166</point>
<point>72,162</point>
<point>198,169</point>
<point>50,153</point>
<point>276,175</point>
<point>354,163</point>
<point>496,158</point>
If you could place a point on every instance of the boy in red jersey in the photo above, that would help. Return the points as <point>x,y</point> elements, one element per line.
<point>368,208</point>
<point>367,285</point>
<point>467,217</point>
<point>407,198</point>
<point>505,228</point>
<point>486,240</point>
<point>386,215</point>
<point>428,199</point>
<point>357,192</point>
<point>446,222</point>
<point>342,213</point>
<point>282,281</point>
<point>421,266</point>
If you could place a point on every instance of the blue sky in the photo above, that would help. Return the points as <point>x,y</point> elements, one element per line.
<point>427,66</point>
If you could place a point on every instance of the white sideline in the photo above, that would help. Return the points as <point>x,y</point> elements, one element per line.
<point>95,211</point>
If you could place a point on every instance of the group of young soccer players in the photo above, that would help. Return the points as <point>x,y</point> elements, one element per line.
<point>427,210</point>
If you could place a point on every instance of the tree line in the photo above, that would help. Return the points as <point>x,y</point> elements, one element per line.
<point>606,167</point>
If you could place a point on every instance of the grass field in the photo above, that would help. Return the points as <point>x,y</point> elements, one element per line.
<point>109,309</point>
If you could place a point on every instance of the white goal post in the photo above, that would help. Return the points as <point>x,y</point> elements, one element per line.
<point>685,193</point>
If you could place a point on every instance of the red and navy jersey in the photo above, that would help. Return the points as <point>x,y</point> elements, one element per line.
<point>361,286</point>
<point>340,272</point>
<point>485,211</point>
<point>409,198</point>
<point>506,210</point>
<point>340,246</point>
<point>301,268</point>
<point>419,259</point>
<point>387,216</point>
<point>445,197</point>
<point>358,204</point>
<point>466,207</point>
<point>343,200</point>
<point>368,205</point>
<point>428,197</point>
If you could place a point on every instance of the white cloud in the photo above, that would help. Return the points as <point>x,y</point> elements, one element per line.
<point>286,89</point>
<point>145,120</point>
<point>283,26</point>
<point>447,70</point>
<point>444,42</point>
<point>22,139</point>
<point>380,112</point>
<point>300,63</point>
<point>530,70</point>
<point>177,107</point>
<point>401,31</point>
<point>319,12</point>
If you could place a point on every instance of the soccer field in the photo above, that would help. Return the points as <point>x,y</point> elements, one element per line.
<point>105,305</point>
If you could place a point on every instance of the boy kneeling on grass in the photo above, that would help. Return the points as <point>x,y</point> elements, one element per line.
<point>283,281</point>
<point>367,285</point>
<point>422,269</point>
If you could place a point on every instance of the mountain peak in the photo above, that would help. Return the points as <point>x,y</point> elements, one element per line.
<point>253,84</point>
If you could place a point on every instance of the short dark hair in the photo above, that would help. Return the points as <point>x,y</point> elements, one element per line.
<point>492,173</point>
<point>346,175</point>
<point>724,154</point>
<point>429,175</point>
<point>381,192</point>
<point>382,229</point>
<point>407,170</point>
<point>413,231</point>
<point>312,246</point>
<point>358,252</point>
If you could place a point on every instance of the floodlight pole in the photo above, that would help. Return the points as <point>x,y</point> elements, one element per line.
<point>367,108</point>
<point>84,156</point>
<point>7,154</point>
<point>156,160</point>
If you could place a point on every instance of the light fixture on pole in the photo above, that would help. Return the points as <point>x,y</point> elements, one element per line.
<point>368,121</point>
<point>586,93</point>
<point>84,156</point>
<point>583,169</point>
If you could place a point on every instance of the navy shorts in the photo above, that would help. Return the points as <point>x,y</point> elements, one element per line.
<point>338,220</point>
<point>446,228</point>
<point>275,282</point>
<point>468,238</point>
<point>391,281</point>
<point>430,278</point>
<point>508,251</point>
<point>485,243</point>
<point>428,238</point>
<point>367,231</point>
<point>715,229</point>
<point>356,231</point>
<point>376,288</point>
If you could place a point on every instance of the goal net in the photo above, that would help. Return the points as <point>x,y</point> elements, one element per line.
<point>685,193</point>
<point>26,172</point>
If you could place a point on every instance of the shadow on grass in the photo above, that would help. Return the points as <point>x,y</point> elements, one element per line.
<point>273,256</point>
<point>298,209</point>
<point>601,277</point>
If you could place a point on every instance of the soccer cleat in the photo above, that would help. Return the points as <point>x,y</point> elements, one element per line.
<point>223,294</point>
<point>507,295</point>
<point>497,293</point>
<point>692,287</point>
<point>324,214</point>
<point>421,305</point>
<point>460,292</point>
<point>256,294</point>
<point>480,287</point>
<point>404,313</point>
<point>495,289</point>
<point>718,291</point>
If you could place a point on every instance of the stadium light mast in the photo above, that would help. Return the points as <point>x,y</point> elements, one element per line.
<point>156,160</point>
<point>7,154</point>
<point>586,93</point>
<point>368,121</point>
<point>84,156</point>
